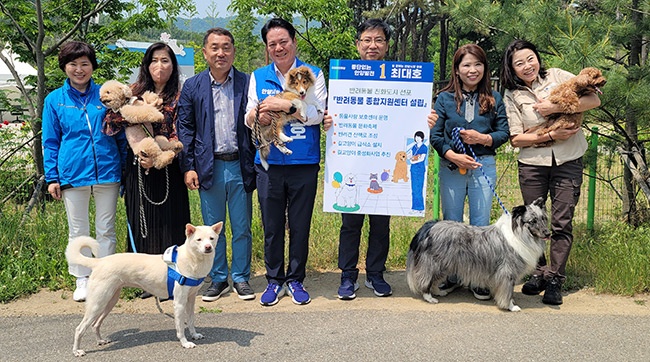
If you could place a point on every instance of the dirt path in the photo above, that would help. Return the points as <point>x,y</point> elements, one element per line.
<point>322,287</point>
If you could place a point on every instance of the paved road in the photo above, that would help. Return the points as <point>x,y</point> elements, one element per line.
<point>398,328</point>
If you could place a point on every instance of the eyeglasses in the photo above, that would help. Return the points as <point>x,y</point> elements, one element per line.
<point>368,41</point>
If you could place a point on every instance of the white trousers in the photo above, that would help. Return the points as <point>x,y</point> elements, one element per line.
<point>77,203</point>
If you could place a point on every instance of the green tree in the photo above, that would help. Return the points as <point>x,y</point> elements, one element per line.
<point>249,45</point>
<point>35,29</point>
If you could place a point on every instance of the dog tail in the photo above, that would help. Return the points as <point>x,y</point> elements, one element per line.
<point>73,251</point>
<point>264,154</point>
<point>420,271</point>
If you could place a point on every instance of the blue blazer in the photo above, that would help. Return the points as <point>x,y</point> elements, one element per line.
<point>195,124</point>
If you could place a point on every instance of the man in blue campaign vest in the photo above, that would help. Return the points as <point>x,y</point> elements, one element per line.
<point>291,180</point>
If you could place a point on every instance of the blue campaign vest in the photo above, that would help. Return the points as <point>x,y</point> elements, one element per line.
<point>306,139</point>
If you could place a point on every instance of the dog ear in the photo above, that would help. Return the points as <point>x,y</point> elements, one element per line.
<point>127,91</point>
<point>189,229</point>
<point>311,75</point>
<point>217,227</point>
<point>518,211</point>
<point>517,216</point>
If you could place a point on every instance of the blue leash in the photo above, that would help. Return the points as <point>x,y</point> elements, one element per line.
<point>128,227</point>
<point>459,146</point>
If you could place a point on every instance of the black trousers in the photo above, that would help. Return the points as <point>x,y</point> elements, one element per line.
<point>286,193</point>
<point>563,184</point>
<point>350,239</point>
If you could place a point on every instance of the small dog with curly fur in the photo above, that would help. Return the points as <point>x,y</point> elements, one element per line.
<point>299,90</point>
<point>138,114</point>
<point>567,96</point>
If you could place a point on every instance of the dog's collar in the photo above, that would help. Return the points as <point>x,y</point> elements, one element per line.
<point>169,257</point>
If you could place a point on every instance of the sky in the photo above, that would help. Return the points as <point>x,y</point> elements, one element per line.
<point>202,7</point>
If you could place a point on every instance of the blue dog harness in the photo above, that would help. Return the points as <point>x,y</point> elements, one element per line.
<point>172,273</point>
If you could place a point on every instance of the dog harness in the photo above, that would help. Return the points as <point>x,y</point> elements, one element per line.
<point>172,273</point>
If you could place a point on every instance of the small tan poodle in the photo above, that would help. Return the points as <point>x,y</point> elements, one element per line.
<point>567,95</point>
<point>138,114</point>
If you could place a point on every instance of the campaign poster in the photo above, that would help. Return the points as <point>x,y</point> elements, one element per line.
<point>377,149</point>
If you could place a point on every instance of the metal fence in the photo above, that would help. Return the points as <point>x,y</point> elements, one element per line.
<point>607,203</point>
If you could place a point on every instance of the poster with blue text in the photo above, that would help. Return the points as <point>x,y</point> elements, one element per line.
<point>377,149</point>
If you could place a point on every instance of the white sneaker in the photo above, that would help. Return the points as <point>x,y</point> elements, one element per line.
<point>80,293</point>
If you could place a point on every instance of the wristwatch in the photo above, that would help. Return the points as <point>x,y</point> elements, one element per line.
<point>292,110</point>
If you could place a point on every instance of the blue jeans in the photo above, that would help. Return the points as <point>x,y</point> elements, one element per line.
<point>228,189</point>
<point>455,188</point>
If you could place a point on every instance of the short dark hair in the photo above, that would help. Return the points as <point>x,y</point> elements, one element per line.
<point>145,81</point>
<point>76,49</point>
<point>509,79</point>
<point>374,24</point>
<point>278,23</point>
<point>218,31</point>
<point>419,133</point>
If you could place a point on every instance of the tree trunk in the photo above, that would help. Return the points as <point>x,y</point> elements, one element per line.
<point>444,48</point>
<point>631,126</point>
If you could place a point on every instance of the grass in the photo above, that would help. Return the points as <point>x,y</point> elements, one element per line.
<point>209,310</point>
<point>614,258</point>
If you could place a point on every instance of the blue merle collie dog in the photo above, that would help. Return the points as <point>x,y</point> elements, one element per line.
<point>495,256</point>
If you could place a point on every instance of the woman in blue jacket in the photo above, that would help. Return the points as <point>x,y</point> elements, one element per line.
<point>473,116</point>
<point>79,160</point>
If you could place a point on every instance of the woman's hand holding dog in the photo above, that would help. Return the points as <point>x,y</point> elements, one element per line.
<point>546,107</point>
<point>462,160</point>
<point>586,102</point>
<point>563,133</point>
<point>145,161</point>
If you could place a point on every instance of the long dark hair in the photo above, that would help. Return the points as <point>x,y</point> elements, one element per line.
<point>509,79</point>
<point>145,82</point>
<point>485,98</point>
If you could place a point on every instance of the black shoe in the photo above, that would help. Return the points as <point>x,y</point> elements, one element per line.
<point>535,285</point>
<point>244,290</point>
<point>481,293</point>
<point>449,285</point>
<point>553,293</point>
<point>145,295</point>
<point>215,290</point>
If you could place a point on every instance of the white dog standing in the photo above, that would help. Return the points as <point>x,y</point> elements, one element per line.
<point>110,274</point>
